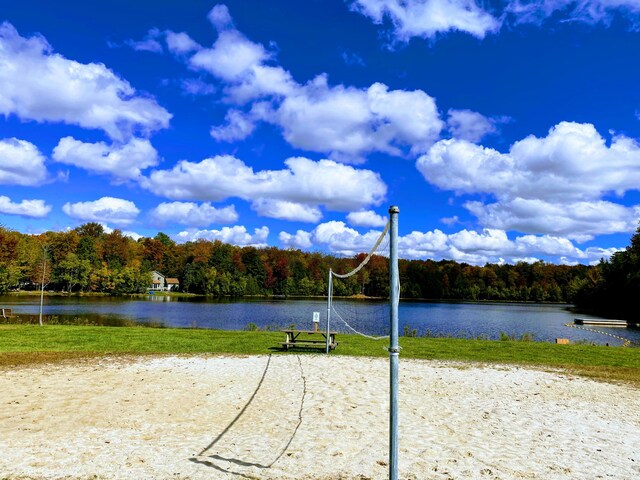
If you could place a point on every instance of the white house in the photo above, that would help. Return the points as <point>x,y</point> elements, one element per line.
<point>171,283</point>
<point>157,281</point>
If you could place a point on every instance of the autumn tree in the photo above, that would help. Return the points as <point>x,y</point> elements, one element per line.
<point>9,271</point>
<point>73,271</point>
<point>116,250</point>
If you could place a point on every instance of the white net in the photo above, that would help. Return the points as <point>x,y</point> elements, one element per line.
<point>358,299</point>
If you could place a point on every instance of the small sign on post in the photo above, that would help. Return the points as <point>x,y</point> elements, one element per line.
<point>316,321</point>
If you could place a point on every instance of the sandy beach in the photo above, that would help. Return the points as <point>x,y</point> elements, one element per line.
<point>310,417</point>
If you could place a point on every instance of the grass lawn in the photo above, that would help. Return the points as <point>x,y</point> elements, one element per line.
<point>24,344</point>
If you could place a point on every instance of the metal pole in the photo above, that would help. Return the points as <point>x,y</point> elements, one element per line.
<point>394,349</point>
<point>329,306</point>
<point>44,267</point>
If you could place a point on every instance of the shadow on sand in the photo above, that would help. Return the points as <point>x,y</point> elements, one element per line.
<point>242,463</point>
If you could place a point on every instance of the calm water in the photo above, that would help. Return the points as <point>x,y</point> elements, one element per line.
<point>468,320</point>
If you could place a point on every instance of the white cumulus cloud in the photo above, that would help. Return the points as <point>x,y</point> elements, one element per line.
<point>432,18</point>
<point>103,210</point>
<point>344,122</point>
<point>181,43</point>
<point>231,56</point>
<point>192,214</point>
<point>336,186</point>
<point>348,122</point>
<point>121,161</point>
<point>366,218</point>
<point>26,208</point>
<point>301,240</point>
<point>469,125</point>
<point>428,18</point>
<point>220,17</point>
<point>490,240</point>
<point>343,240</point>
<point>238,127</point>
<point>244,65</point>
<point>21,163</point>
<point>286,210</point>
<point>40,85</point>
<point>469,246</point>
<point>236,235</point>
<point>552,185</point>
<point>576,220</point>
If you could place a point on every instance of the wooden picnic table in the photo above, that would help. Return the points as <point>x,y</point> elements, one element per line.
<point>308,338</point>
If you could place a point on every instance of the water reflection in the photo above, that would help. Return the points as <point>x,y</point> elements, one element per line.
<point>159,298</point>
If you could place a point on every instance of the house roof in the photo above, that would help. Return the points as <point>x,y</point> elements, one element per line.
<point>172,281</point>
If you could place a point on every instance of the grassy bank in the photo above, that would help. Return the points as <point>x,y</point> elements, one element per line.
<point>23,344</point>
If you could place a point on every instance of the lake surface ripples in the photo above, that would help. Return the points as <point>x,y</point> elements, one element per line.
<point>466,320</point>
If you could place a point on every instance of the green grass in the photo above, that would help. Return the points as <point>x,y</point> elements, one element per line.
<point>24,344</point>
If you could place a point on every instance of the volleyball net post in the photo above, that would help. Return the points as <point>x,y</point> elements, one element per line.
<point>394,349</point>
<point>329,307</point>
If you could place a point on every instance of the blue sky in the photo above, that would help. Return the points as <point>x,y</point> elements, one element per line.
<point>504,130</point>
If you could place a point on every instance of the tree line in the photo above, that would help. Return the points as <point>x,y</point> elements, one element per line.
<point>613,287</point>
<point>87,259</point>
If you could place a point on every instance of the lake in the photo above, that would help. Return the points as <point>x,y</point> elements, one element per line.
<point>467,320</point>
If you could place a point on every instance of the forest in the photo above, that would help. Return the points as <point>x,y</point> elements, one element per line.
<point>614,285</point>
<point>88,259</point>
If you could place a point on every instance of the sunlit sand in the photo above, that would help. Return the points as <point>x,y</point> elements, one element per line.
<point>310,417</point>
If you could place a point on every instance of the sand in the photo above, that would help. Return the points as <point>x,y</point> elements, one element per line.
<point>310,417</point>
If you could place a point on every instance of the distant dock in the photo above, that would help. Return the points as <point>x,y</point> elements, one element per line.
<point>605,323</point>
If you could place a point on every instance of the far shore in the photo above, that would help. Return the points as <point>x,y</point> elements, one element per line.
<point>53,293</point>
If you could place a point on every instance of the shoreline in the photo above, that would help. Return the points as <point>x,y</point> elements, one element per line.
<point>52,293</point>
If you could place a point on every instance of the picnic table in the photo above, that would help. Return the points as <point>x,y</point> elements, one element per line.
<point>308,338</point>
